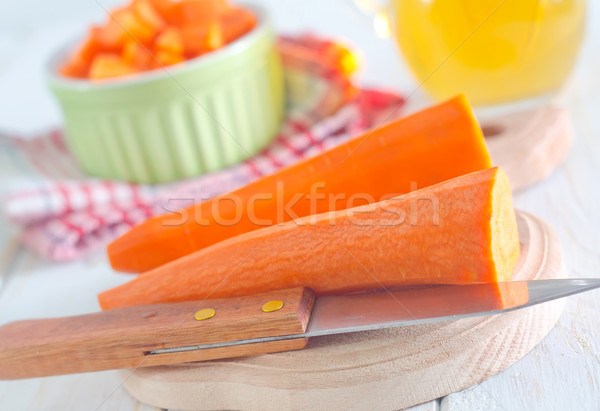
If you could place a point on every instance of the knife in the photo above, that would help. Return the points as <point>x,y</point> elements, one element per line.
<point>276,321</point>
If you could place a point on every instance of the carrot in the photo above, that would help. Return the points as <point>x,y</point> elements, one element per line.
<point>79,64</point>
<point>136,55</point>
<point>194,39</point>
<point>170,40</point>
<point>163,7</point>
<point>511,294</point>
<point>173,29</point>
<point>145,12</point>
<point>198,11</point>
<point>214,37</point>
<point>463,230</point>
<point>425,148</point>
<point>76,68</point>
<point>109,65</point>
<point>108,38</point>
<point>133,26</point>
<point>236,22</point>
<point>165,58</point>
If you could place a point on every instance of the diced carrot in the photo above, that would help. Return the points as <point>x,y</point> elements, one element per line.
<point>163,7</point>
<point>198,12</point>
<point>175,29</point>
<point>89,48</point>
<point>214,37</point>
<point>75,67</point>
<point>164,58</point>
<point>134,27</point>
<point>147,13</point>
<point>109,65</point>
<point>425,148</point>
<point>459,231</point>
<point>235,23</point>
<point>170,40</point>
<point>136,55</point>
<point>79,63</point>
<point>194,40</point>
<point>108,38</point>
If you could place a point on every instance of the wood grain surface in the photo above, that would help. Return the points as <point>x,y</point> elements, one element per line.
<point>385,369</point>
<point>529,144</point>
<point>122,338</point>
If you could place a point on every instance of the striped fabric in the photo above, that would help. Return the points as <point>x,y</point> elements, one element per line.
<point>66,215</point>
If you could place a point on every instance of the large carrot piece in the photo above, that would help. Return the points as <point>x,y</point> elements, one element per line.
<point>425,148</point>
<point>459,231</point>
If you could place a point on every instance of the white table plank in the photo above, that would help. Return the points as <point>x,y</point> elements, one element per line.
<point>428,406</point>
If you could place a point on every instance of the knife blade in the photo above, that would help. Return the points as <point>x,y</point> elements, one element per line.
<point>406,306</point>
<point>175,332</point>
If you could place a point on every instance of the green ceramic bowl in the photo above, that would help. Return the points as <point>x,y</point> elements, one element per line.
<point>198,116</point>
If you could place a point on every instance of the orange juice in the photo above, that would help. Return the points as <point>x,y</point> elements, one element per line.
<point>491,50</point>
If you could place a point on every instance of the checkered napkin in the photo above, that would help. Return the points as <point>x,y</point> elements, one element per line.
<point>66,214</point>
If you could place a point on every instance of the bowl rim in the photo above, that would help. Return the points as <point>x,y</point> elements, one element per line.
<point>230,49</point>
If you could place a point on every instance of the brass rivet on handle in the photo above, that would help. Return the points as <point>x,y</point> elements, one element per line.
<point>204,314</point>
<point>272,306</point>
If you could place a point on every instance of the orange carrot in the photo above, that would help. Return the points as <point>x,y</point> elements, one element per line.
<point>134,27</point>
<point>460,231</point>
<point>214,37</point>
<point>236,22</point>
<point>109,65</point>
<point>170,40</point>
<point>146,13</point>
<point>165,58</point>
<point>136,55</point>
<point>76,68</point>
<point>108,38</point>
<point>163,7</point>
<point>173,29</point>
<point>193,38</point>
<point>425,148</point>
<point>198,11</point>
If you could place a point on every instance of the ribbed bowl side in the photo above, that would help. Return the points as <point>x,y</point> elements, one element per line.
<point>181,125</point>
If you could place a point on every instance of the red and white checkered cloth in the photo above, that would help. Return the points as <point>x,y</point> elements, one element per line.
<point>66,214</point>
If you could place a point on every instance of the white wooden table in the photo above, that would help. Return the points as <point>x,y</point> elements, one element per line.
<point>563,372</point>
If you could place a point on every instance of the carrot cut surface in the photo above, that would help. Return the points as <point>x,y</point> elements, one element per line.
<point>107,38</point>
<point>165,58</point>
<point>145,12</point>
<point>512,294</point>
<point>214,37</point>
<point>426,148</point>
<point>170,40</point>
<point>194,40</point>
<point>460,231</point>
<point>136,55</point>
<point>109,65</point>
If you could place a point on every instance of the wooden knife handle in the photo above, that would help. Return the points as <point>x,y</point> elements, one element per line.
<point>122,338</point>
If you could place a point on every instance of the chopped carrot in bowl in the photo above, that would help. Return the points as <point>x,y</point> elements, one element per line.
<point>149,34</point>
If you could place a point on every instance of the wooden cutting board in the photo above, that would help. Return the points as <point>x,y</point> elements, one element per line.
<point>385,369</point>
<point>530,144</point>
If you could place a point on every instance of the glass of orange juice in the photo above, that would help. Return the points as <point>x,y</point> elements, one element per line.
<point>495,51</point>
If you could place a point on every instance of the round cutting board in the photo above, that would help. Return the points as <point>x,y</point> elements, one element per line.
<point>385,369</point>
<point>529,145</point>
